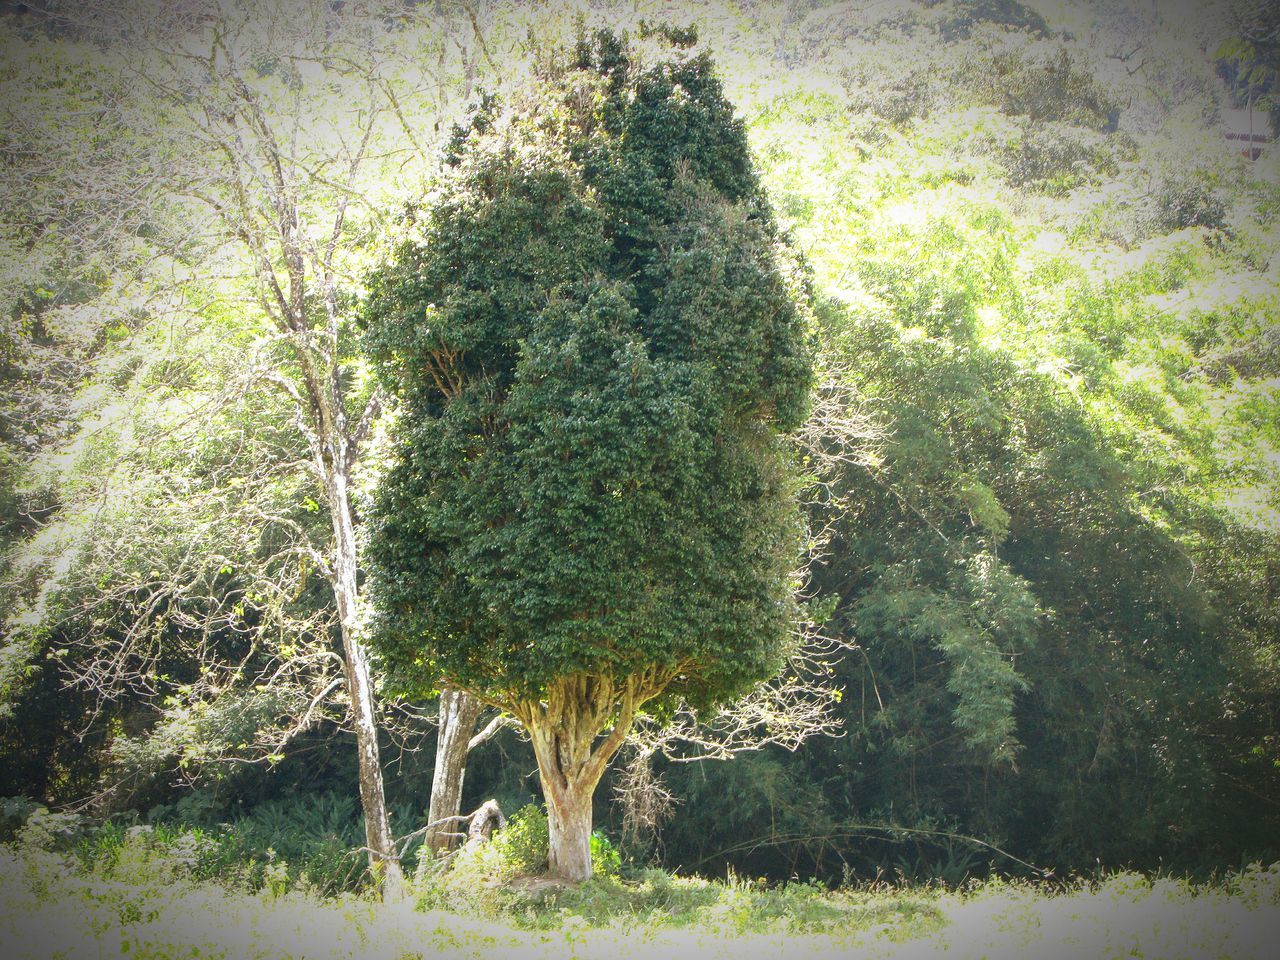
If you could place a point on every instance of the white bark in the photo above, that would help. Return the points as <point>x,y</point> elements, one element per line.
<point>383,857</point>
<point>267,169</point>
<point>263,204</point>
<point>459,712</point>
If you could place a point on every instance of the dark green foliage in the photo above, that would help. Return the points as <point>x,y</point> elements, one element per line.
<point>1186,200</point>
<point>1051,89</point>
<point>759,815</point>
<point>1048,647</point>
<point>1007,13</point>
<point>595,348</point>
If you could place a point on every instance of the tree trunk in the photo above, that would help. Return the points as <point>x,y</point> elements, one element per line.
<point>487,819</point>
<point>383,859</point>
<point>569,823</point>
<point>568,783</point>
<point>459,712</point>
<point>563,730</point>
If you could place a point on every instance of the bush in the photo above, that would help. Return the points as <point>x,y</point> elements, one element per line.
<point>306,843</point>
<point>967,14</point>
<point>1053,89</point>
<point>46,830</point>
<point>159,855</point>
<point>1056,158</point>
<point>605,859</point>
<point>910,98</point>
<point>1181,202</point>
<point>518,850</point>
<point>14,812</point>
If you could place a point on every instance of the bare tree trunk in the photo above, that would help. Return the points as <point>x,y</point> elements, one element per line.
<point>487,818</point>
<point>379,839</point>
<point>459,712</point>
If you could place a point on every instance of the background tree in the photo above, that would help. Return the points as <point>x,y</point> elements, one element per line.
<point>1249,57</point>
<point>596,349</point>
<point>253,152</point>
<point>1043,326</point>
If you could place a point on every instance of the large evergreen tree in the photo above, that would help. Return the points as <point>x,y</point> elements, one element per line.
<point>597,349</point>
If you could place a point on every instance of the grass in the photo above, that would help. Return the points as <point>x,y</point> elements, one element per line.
<point>656,900</point>
<point>53,906</point>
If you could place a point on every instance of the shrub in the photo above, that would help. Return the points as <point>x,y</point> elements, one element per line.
<point>1052,89</point>
<point>14,812</point>
<point>605,859</point>
<point>1183,201</point>
<point>912,97</point>
<point>47,830</point>
<point>1056,158</point>
<point>306,843</point>
<point>967,14</point>
<point>518,850</point>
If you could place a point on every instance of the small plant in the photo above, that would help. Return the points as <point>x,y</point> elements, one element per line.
<point>14,812</point>
<point>276,876</point>
<point>47,830</point>
<point>522,845</point>
<point>605,859</point>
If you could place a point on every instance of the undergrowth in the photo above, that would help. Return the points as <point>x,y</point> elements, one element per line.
<point>310,843</point>
<point>55,904</point>
<point>167,890</point>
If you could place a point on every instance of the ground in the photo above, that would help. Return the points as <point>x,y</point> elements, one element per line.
<point>49,909</point>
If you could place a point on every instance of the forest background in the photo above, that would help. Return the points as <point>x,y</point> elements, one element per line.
<point>1047,561</point>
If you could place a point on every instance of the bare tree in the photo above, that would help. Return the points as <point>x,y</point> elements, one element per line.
<point>279,134</point>
<point>259,149</point>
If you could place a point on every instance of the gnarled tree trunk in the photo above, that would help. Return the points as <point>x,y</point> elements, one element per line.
<point>569,817</point>
<point>564,729</point>
<point>568,784</point>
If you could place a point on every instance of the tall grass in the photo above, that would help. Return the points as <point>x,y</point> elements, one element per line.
<point>52,904</point>
<point>311,843</point>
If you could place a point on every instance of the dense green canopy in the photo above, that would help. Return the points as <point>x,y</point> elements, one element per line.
<point>596,346</point>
